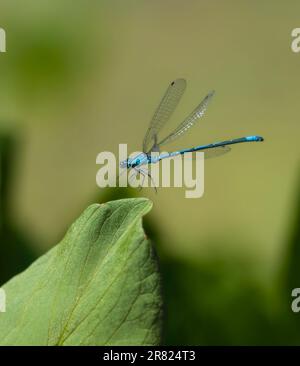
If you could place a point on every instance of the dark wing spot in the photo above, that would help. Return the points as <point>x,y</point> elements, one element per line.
<point>173,82</point>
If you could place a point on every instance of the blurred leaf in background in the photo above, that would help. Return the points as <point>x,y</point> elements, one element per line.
<point>48,58</point>
<point>15,246</point>
<point>292,266</point>
<point>214,303</point>
<point>289,274</point>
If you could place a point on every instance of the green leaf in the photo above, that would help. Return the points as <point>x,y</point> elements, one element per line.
<point>99,286</point>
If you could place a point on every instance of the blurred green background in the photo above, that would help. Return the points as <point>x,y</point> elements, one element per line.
<point>81,77</point>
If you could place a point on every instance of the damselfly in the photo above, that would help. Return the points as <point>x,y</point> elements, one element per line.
<point>162,114</point>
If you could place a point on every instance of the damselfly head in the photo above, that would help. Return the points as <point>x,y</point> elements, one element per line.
<point>129,163</point>
<point>124,164</point>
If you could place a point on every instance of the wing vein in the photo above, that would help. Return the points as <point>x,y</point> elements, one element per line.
<point>163,112</point>
<point>189,122</point>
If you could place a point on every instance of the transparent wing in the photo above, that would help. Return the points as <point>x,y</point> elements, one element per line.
<point>213,152</point>
<point>184,126</point>
<point>163,112</point>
